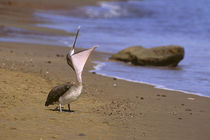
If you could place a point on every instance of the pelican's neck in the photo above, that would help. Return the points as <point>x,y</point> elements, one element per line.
<point>79,78</point>
<point>78,83</point>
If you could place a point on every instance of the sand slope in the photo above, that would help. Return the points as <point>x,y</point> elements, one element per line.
<point>24,116</point>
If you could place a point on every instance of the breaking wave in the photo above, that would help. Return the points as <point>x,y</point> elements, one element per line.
<point>113,10</point>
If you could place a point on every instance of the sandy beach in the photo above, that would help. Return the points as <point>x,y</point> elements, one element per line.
<point>108,109</point>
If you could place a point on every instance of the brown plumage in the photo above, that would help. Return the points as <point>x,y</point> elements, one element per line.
<point>56,93</point>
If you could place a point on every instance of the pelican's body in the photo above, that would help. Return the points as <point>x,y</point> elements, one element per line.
<point>64,94</point>
<point>68,93</point>
<point>71,95</point>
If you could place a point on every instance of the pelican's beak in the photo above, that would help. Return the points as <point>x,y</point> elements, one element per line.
<point>71,52</point>
<point>77,61</point>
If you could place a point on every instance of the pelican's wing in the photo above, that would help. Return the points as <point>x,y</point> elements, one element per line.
<point>56,93</point>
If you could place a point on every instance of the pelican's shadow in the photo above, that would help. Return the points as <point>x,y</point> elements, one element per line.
<point>63,110</point>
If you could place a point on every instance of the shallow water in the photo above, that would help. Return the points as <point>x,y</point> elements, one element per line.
<point>117,25</point>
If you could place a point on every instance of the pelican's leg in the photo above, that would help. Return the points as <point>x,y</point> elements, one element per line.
<point>60,107</point>
<point>69,107</point>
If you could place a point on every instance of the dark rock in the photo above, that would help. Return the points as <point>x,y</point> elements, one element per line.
<point>81,134</point>
<point>114,78</point>
<point>13,128</point>
<point>49,62</point>
<point>142,98</point>
<point>59,55</point>
<point>158,56</point>
<point>188,109</point>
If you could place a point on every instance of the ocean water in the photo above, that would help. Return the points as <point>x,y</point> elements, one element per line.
<point>117,25</point>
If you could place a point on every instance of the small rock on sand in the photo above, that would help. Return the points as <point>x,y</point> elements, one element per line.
<point>188,109</point>
<point>59,55</point>
<point>81,134</point>
<point>114,78</point>
<point>13,128</point>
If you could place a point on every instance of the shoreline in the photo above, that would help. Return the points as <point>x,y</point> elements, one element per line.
<point>158,86</point>
<point>153,85</point>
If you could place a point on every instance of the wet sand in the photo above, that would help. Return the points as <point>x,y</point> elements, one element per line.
<point>108,108</point>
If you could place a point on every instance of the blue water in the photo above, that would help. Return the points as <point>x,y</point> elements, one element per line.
<point>117,25</point>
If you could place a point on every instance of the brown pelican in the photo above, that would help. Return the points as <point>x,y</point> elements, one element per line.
<point>67,93</point>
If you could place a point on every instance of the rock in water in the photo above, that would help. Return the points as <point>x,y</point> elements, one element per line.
<point>158,56</point>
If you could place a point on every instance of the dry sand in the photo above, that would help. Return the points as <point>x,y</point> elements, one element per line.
<point>109,109</point>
